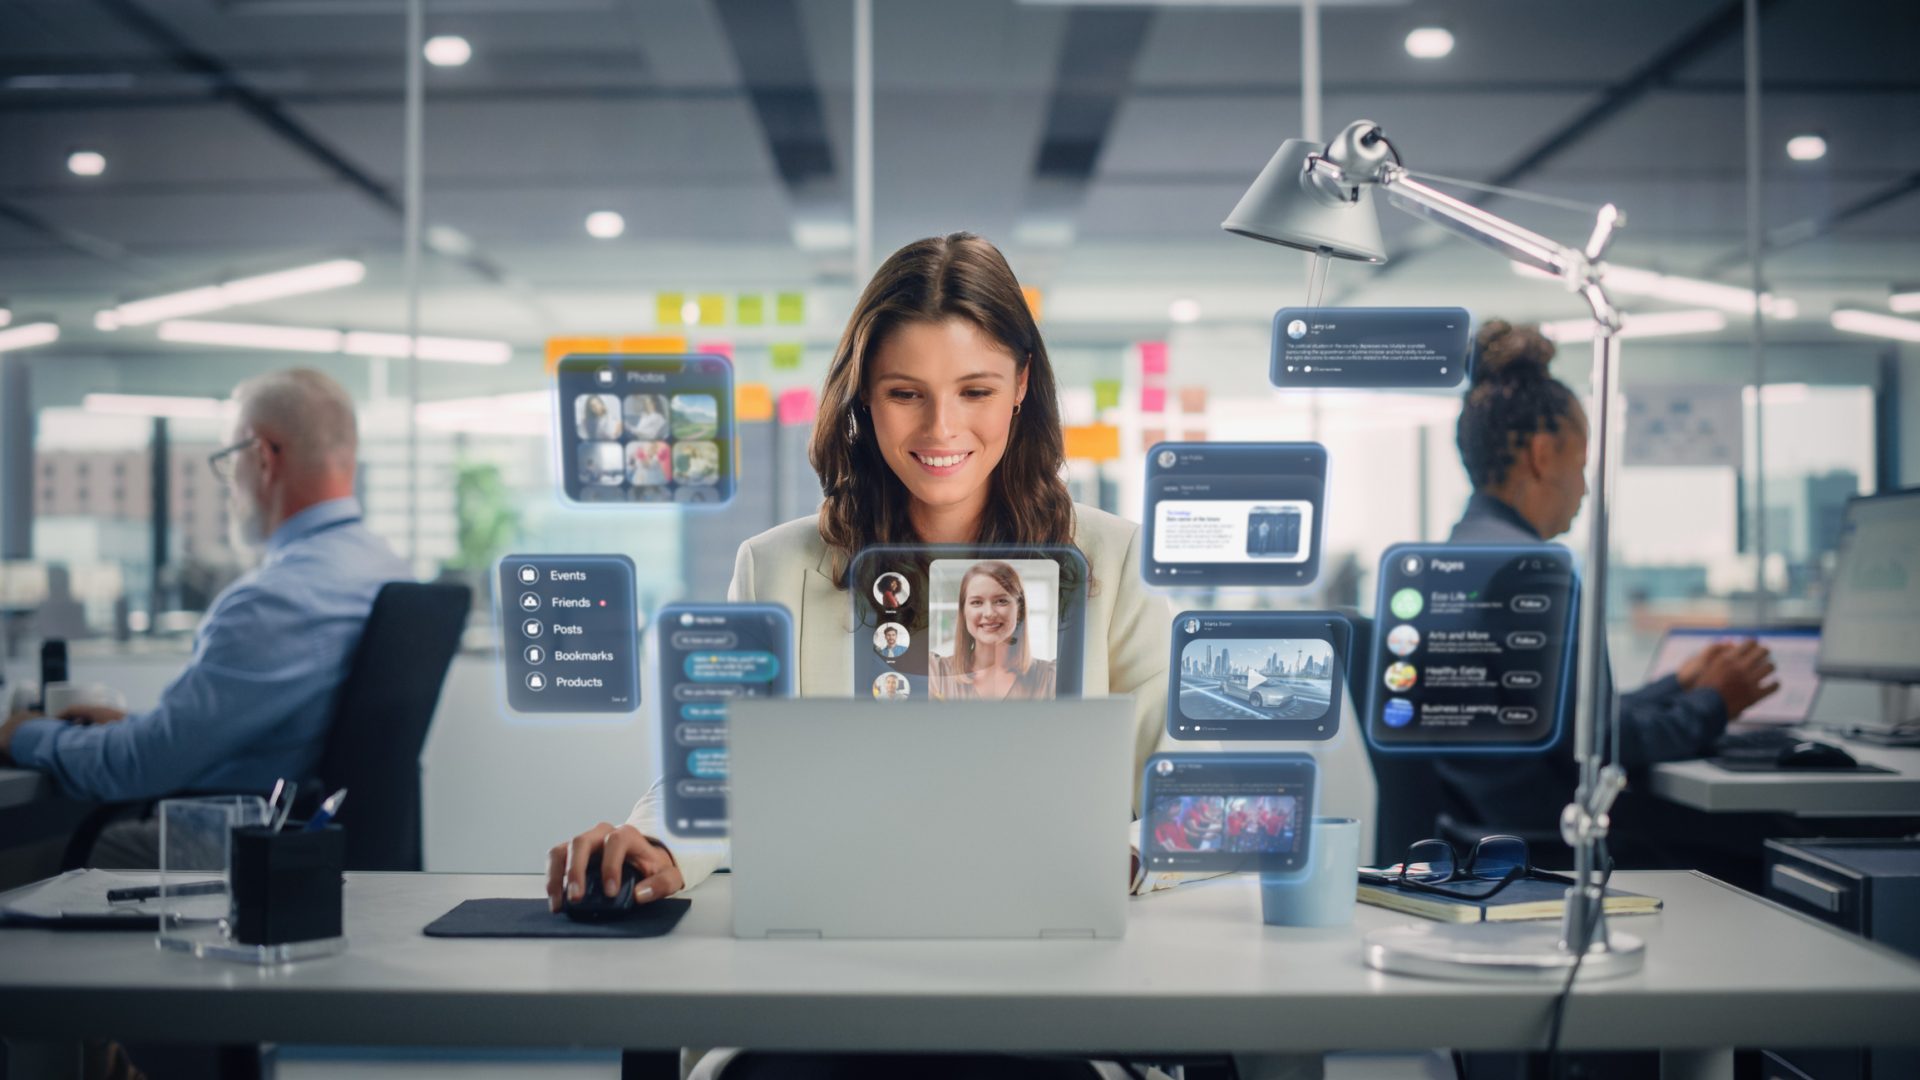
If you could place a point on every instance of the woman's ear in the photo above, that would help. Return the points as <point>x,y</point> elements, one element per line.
<point>1020,384</point>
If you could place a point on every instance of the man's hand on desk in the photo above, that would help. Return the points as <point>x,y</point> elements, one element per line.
<point>567,865</point>
<point>1742,675</point>
<point>93,714</point>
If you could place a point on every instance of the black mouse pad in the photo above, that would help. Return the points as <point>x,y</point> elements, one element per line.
<point>1741,765</point>
<point>531,919</point>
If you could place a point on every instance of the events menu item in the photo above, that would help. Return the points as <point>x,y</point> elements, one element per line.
<point>1473,647</point>
<point>569,639</point>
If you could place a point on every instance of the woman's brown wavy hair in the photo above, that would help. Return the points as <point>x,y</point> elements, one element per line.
<point>958,276</point>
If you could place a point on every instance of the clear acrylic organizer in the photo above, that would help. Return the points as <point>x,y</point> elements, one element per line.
<point>196,900</point>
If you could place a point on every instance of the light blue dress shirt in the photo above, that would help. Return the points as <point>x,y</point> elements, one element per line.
<point>254,703</point>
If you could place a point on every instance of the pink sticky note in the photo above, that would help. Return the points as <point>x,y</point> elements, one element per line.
<point>1153,399</point>
<point>1153,358</point>
<point>715,348</point>
<point>797,406</point>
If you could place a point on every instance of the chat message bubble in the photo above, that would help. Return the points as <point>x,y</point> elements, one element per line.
<point>710,763</point>
<point>737,666</point>
<point>701,789</point>
<point>688,640</point>
<point>700,734</point>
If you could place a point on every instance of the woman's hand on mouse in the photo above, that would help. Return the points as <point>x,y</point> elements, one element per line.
<point>618,848</point>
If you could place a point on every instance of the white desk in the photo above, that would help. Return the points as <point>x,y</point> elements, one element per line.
<point>1196,973</point>
<point>23,787</point>
<point>1708,787</point>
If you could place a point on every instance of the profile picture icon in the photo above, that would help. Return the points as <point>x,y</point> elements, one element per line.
<point>1397,713</point>
<point>1400,677</point>
<point>1163,767</point>
<point>1297,329</point>
<point>891,640</point>
<point>891,590</point>
<point>1166,458</point>
<point>1192,627</point>
<point>1407,604</point>
<point>1402,640</point>
<point>891,686</point>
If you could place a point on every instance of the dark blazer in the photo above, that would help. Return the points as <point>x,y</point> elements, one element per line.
<point>1525,793</point>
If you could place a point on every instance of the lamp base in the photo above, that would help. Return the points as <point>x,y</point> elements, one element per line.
<point>1527,952</point>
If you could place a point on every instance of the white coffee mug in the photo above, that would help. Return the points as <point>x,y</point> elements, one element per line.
<point>58,697</point>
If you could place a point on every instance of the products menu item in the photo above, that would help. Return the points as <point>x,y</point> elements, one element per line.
<point>1473,647</point>
<point>1234,513</point>
<point>645,429</point>
<point>712,655</point>
<point>1266,675</point>
<point>1227,812</point>
<point>1370,347</point>
<point>960,623</point>
<point>569,639</point>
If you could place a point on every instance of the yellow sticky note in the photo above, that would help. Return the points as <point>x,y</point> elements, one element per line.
<point>751,310</point>
<point>713,309</point>
<point>667,308</point>
<point>561,347</point>
<point>786,355</point>
<point>659,344</point>
<point>790,308</point>
<point>753,401</point>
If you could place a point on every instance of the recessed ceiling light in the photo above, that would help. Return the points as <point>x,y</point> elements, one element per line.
<point>86,163</point>
<point>1806,148</point>
<point>605,224</point>
<point>448,50</point>
<point>1184,310</point>
<point>1429,43</point>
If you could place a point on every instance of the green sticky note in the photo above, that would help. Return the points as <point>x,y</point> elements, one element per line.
<point>786,355</point>
<point>790,308</point>
<point>751,310</point>
<point>667,309</point>
<point>1106,393</point>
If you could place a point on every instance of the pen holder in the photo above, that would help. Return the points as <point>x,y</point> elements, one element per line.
<point>287,884</point>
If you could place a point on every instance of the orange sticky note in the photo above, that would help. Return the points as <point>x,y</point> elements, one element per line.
<point>1193,399</point>
<point>753,401</point>
<point>560,347</point>
<point>1033,300</point>
<point>1092,442</point>
<point>659,344</point>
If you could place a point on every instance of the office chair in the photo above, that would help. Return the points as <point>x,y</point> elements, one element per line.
<point>380,720</point>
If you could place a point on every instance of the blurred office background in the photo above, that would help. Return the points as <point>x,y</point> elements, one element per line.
<point>691,173</point>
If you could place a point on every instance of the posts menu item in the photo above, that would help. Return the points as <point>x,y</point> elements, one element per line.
<point>645,429</point>
<point>710,656</point>
<point>1473,647</point>
<point>1266,675</point>
<point>1227,812</point>
<point>1234,513</point>
<point>569,639</point>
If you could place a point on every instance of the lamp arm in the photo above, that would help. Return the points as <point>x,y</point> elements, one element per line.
<point>1469,221</point>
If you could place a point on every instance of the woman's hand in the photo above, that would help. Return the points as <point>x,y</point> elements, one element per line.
<point>618,848</point>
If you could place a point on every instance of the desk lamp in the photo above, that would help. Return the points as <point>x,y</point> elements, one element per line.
<point>1319,199</point>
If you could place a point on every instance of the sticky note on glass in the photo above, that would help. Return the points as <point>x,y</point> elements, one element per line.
<point>715,348</point>
<point>1092,442</point>
<point>713,309</point>
<point>750,310</point>
<point>1193,399</point>
<point>658,344</point>
<point>1033,300</point>
<point>1153,399</point>
<point>752,401</point>
<point>790,308</point>
<point>798,406</point>
<point>786,355</point>
<point>669,309</point>
<point>559,347</point>
<point>1153,358</point>
<point>1106,393</point>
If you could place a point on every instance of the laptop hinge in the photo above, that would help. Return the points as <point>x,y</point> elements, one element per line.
<point>797,935</point>
<point>1067,934</point>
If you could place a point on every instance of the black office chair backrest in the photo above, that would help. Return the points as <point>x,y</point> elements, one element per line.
<point>380,720</point>
<point>1408,793</point>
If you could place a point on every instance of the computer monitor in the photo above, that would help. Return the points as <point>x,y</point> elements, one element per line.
<point>1793,649</point>
<point>1872,621</point>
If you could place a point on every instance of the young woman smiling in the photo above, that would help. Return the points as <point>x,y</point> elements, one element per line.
<point>939,424</point>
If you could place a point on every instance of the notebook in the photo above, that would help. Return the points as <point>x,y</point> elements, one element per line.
<point>1528,898</point>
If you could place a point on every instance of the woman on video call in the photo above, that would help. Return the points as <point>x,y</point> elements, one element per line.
<point>939,423</point>
<point>992,652</point>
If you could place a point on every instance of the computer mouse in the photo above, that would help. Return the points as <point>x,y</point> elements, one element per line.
<point>1815,755</point>
<point>594,903</point>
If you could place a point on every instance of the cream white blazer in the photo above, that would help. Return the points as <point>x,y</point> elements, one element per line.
<point>1128,635</point>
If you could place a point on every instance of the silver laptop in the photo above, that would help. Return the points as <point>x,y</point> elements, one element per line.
<point>856,819</point>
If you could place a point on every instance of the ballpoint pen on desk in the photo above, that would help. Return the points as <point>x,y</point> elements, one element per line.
<point>152,892</point>
<point>327,809</point>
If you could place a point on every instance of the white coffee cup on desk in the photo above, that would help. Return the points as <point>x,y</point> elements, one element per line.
<point>58,697</point>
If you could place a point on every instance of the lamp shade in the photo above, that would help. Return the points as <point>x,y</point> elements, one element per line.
<point>1280,209</point>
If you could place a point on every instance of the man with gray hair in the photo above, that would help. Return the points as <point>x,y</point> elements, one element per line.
<point>254,703</point>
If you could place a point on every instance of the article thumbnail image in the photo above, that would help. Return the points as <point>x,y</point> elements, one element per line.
<point>1238,679</point>
<point>1273,532</point>
<point>994,629</point>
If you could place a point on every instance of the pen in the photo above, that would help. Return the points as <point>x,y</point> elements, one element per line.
<point>327,809</point>
<point>152,892</point>
<point>285,808</point>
